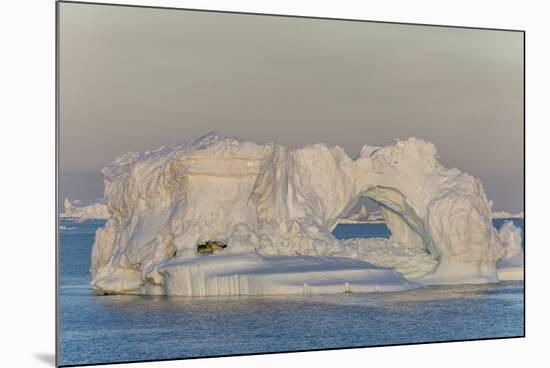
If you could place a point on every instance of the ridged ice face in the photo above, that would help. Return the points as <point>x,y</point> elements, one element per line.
<point>269,199</point>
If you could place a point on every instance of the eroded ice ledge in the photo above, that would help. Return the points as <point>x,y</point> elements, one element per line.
<point>253,274</point>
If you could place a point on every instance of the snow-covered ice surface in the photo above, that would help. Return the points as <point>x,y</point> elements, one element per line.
<point>266,200</point>
<point>86,212</point>
<point>253,274</point>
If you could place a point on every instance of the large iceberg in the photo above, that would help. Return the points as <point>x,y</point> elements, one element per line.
<point>275,207</point>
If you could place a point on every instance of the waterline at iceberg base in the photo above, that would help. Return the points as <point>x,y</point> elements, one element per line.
<point>273,209</point>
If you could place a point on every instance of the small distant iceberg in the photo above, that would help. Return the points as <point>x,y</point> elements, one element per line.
<point>507,215</point>
<point>363,216</point>
<point>63,227</point>
<point>85,210</point>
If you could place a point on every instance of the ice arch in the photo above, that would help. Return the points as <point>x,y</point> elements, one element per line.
<point>272,200</point>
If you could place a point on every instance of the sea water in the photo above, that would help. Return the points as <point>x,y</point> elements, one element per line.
<point>115,328</point>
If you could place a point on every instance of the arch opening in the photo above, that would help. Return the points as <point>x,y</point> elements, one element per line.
<point>405,226</point>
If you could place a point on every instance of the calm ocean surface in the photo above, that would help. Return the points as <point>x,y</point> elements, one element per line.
<point>98,329</point>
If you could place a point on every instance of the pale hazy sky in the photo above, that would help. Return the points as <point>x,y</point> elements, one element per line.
<point>134,79</point>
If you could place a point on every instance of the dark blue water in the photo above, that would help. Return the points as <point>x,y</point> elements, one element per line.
<point>97,329</point>
<point>349,231</point>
